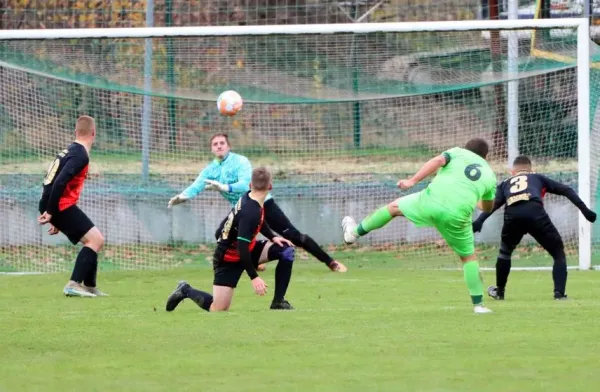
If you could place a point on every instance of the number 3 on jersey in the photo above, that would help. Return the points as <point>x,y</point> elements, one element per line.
<point>472,172</point>
<point>518,183</point>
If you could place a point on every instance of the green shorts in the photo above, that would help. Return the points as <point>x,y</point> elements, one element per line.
<point>456,230</point>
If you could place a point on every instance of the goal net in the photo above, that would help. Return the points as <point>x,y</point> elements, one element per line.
<point>338,113</point>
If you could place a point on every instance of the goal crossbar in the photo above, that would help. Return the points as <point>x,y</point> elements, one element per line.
<point>352,28</point>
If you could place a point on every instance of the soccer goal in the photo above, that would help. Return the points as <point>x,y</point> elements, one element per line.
<point>338,112</point>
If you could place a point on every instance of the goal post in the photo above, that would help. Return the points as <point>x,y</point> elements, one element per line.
<point>423,87</point>
<point>583,139</point>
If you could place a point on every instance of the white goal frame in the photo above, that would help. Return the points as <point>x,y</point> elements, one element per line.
<point>583,66</point>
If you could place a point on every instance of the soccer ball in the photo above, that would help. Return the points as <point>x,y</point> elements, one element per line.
<point>229,103</point>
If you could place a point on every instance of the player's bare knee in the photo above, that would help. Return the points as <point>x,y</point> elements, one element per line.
<point>393,209</point>
<point>221,300</point>
<point>264,255</point>
<point>93,239</point>
<point>466,259</point>
<point>99,241</point>
<point>222,306</point>
<point>219,307</point>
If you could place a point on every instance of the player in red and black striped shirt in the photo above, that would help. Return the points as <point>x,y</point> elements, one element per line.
<point>62,187</point>
<point>238,251</point>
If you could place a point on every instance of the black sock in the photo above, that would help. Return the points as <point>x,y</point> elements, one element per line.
<point>201,298</point>
<point>279,222</point>
<point>90,278</point>
<point>502,271</point>
<point>283,273</point>
<point>559,273</point>
<point>83,264</point>
<point>307,243</point>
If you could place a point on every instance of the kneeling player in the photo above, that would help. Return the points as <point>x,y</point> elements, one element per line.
<point>525,214</point>
<point>238,251</point>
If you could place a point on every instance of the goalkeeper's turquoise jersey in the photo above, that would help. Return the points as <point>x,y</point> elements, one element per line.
<point>235,170</point>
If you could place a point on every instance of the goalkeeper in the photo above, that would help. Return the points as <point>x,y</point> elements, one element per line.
<point>524,213</point>
<point>464,180</point>
<point>230,173</point>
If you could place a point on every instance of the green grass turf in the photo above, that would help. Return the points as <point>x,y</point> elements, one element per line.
<point>375,328</point>
<point>118,257</point>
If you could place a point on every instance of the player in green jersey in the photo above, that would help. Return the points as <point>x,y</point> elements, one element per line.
<point>464,180</point>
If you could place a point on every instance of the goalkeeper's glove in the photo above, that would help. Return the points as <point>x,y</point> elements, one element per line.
<point>477,225</point>
<point>213,185</point>
<point>589,214</point>
<point>177,200</point>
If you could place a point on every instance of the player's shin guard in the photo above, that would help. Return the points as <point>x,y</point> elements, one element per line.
<point>559,273</point>
<point>283,272</point>
<point>376,220</point>
<point>201,298</point>
<point>86,261</point>
<point>92,273</point>
<point>473,280</point>
<point>307,243</point>
<point>503,265</point>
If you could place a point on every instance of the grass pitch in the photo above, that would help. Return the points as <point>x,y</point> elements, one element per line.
<point>379,327</point>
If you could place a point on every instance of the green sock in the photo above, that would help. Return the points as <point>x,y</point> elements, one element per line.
<point>473,280</point>
<point>376,220</point>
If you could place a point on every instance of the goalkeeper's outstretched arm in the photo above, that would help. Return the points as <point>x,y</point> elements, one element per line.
<point>197,186</point>
<point>191,191</point>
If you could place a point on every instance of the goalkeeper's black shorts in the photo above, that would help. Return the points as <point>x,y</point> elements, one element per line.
<point>529,217</point>
<point>73,223</point>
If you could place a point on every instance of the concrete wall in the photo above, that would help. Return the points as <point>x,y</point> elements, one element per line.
<point>131,220</point>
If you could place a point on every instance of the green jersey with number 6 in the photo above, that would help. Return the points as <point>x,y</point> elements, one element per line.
<point>465,179</point>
